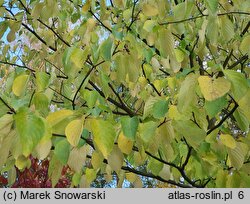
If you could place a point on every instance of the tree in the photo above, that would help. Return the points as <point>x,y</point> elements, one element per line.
<point>158,89</point>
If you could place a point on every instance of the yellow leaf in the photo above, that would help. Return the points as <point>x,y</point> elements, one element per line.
<point>19,84</point>
<point>213,88</point>
<point>125,144</point>
<point>58,116</point>
<point>228,140</point>
<point>149,10</point>
<point>131,177</point>
<point>73,132</point>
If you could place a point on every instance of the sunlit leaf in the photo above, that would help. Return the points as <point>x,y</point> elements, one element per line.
<point>20,84</point>
<point>228,140</point>
<point>213,88</point>
<point>73,132</point>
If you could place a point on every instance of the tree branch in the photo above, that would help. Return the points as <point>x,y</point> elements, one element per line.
<point>7,105</point>
<point>204,15</point>
<point>152,85</point>
<point>125,108</point>
<point>224,118</point>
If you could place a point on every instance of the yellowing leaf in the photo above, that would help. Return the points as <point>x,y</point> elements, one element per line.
<point>179,55</point>
<point>104,136</point>
<point>149,10</point>
<point>90,175</point>
<point>5,124</point>
<point>166,43</point>
<point>115,159</point>
<point>237,155</point>
<point>22,162</point>
<point>244,104</point>
<point>5,146</point>
<point>213,88</point>
<point>227,28</point>
<point>149,25</point>
<point>97,160</point>
<point>239,83</point>
<point>73,132</point>
<point>77,158</point>
<point>125,144</point>
<point>187,92</point>
<point>147,131</point>
<point>228,140</point>
<point>244,46</point>
<point>30,129</point>
<point>58,116</point>
<point>20,84</point>
<point>43,149</point>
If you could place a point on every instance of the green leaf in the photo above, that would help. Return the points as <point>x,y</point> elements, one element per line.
<point>106,49</point>
<point>147,131</point>
<point>20,84</point>
<point>239,83</point>
<point>130,126</point>
<point>213,89</point>
<point>212,5</point>
<point>30,129</point>
<point>62,151</point>
<point>188,129</point>
<point>228,140</point>
<point>55,170</point>
<point>104,135</point>
<point>41,103</point>
<point>73,132</point>
<point>155,166</point>
<point>3,28</point>
<point>214,107</point>
<point>160,108</point>
<point>42,81</point>
<point>76,179</point>
<point>242,120</point>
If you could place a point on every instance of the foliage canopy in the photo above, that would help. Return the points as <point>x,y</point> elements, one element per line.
<point>114,86</point>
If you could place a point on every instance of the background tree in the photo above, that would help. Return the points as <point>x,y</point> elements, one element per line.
<point>158,89</point>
